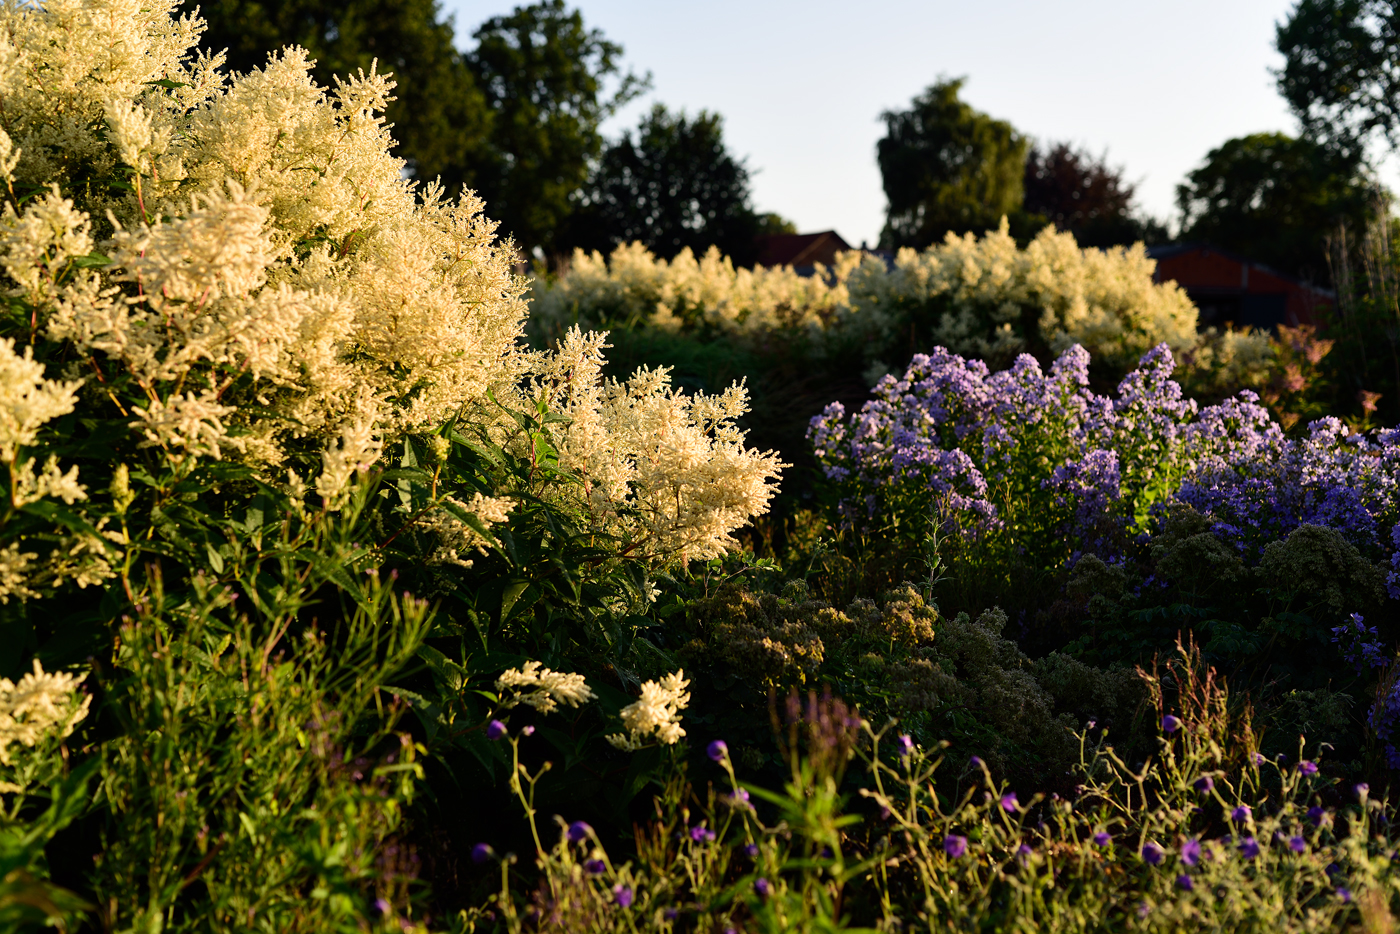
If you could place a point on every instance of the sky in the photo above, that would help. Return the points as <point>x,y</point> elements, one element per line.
<point>801,85</point>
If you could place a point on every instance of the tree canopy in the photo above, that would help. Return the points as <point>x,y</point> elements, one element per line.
<point>1081,193</point>
<point>674,185</point>
<point>947,167</point>
<point>1341,73</point>
<point>543,73</point>
<point>1273,198</point>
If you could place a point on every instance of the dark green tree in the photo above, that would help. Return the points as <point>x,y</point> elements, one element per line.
<point>674,185</point>
<point>543,74</point>
<point>947,167</point>
<point>1081,193</point>
<point>441,119</point>
<point>1341,73</point>
<point>1274,198</point>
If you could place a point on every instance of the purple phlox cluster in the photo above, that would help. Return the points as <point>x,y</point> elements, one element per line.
<point>1359,644</point>
<point>1384,717</point>
<point>1257,487</point>
<point>1089,490</point>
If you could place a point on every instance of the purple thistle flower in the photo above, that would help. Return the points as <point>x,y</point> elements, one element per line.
<point>717,750</point>
<point>1297,844</point>
<point>1170,724</point>
<point>578,831</point>
<point>1102,838</point>
<point>954,846</point>
<point>495,730</point>
<point>1009,803</point>
<point>1153,854</point>
<point>1191,852</point>
<point>623,895</point>
<point>1249,847</point>
<point>761,886</point>
<point>1241,813</point>
<point>1184,881</point>
<point>481,852</point>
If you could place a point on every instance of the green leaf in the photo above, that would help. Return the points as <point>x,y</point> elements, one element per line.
<point>508,597</point>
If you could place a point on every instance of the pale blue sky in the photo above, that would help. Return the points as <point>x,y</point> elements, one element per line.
<point>801,85</point>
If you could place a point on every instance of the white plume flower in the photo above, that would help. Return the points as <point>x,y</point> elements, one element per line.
<point>656,716</point>
<point>40,705</point>
<point>542,688</point>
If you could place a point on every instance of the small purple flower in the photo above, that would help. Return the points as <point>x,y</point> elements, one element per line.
<point>1152,853</point>
<point>1258,758</point>
<point>1362,790</point>
<point>1023,853</point>
<point>670,914</point>
<point>700,834</point>
<point>954,846</point>
<point>739,799</point>
<point>1249,847</point>
<point>594,866</point>
<point>495,730</point>
<point>1091,724</point>
<point>717,750</point>
<point>1241,813</point>
<point>623,895</point>
<point>527,730</point>
<point>1170,724</point>
<point>761,886</point>
<point>975,762</point>
<point>578,831</point>
<point>1297,844</point>
<point>1315,815</point>
<point>481,852</point>
<point>1009,803</point>
<point>1184,881</point>
<point>1191,852</point>
<point>1307,768</point>
<point>906,746</point>
<point>383,907</point>
<point>1344,895</point>
<point>1102,838</point>
<point>751,850</point>
<point>1143,909</point>
<point>1204,783</point>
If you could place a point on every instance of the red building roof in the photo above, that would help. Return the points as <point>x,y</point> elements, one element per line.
<point>1232,290</point>
<point>801,250</point>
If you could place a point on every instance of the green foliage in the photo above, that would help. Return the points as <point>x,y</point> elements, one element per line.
<point>676,186</point>
<point>543,74</point>
<point>1274,199</point>
<point>947,167</point>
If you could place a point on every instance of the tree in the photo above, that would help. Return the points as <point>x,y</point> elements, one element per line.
<point>1341,73</point>
<point>947,167</point>
<point>543,75</point>
<point>440,116</point>
<point>675,185</point>
<point>1273,198</point>
<point>1082,194</point>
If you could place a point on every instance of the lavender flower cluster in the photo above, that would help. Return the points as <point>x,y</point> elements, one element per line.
<point>967,446</point>
<point>964,445</point>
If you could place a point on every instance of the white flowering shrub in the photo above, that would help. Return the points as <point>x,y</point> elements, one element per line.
<point>979,296</point>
